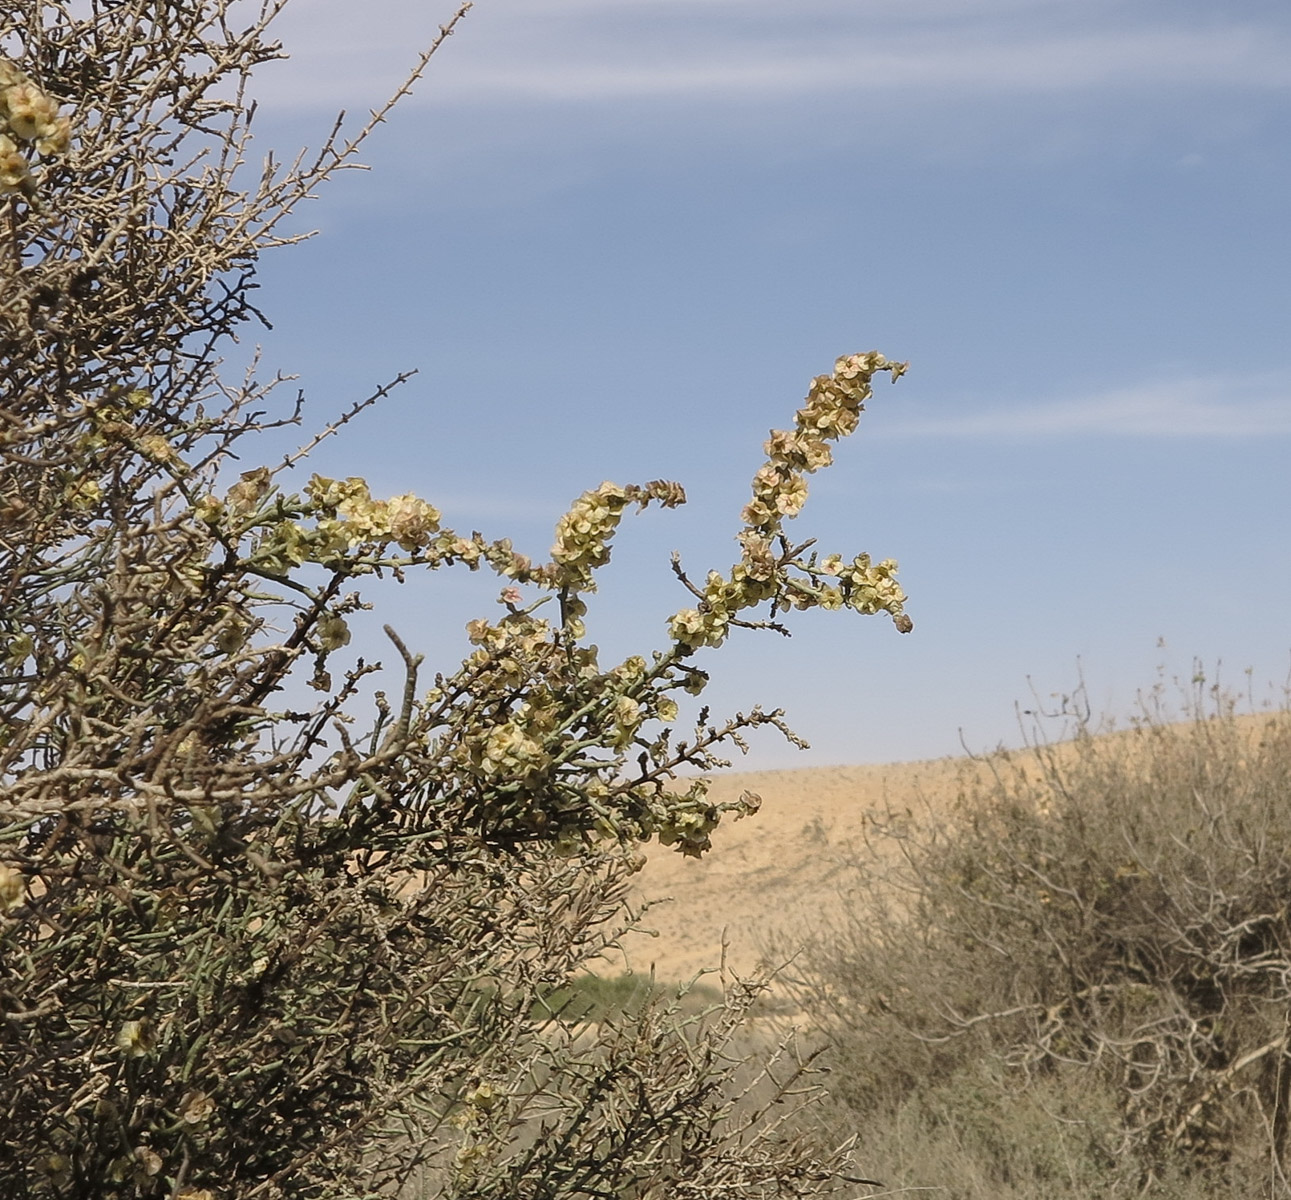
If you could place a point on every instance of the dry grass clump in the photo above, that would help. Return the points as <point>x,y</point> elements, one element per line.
<point>1078,982</point>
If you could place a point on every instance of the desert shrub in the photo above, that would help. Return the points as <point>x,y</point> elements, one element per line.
<point>1076,980</point>
<point>255,944</point>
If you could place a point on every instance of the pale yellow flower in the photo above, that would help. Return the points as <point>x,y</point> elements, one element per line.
<point>31,113</point>
<point>134,1039</point>
<point>470,1157</point>
<point>231,637</point>
<point>333,633</point>
<point>508,749</point>
<point>12,887</point>
<point>251,488</point>
<point>631,669</point>
<point>56,138</point>
<point>568,843</point>
<point>411,520</point>
<point>791,496</point>
<point>465,549</point>
<point>19,649</point>
<point>156,447</point>
<point>83,494</point>
<point>195,1108</point>
<point>209,510</point>
<point>693,628</point>
<point>14,172</point>
<point>483,1097</point>
<point>627,712</point>
<point>149,1161</point>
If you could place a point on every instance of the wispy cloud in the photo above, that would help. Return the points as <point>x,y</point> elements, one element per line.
<point>1214,407</point>
<point>574,50</point>
<point>1237,58</point>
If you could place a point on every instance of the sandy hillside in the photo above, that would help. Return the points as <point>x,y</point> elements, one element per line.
<point>773,873</point>
<point>776,875</point>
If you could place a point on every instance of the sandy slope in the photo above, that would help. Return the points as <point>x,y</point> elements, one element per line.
<point>774,874</point>
<point>771,878</point>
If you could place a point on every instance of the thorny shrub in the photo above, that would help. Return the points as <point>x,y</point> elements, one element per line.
<point>1077,980</point>
<point>253,951</point>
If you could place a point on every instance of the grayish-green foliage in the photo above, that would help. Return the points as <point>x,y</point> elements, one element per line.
<point>252,947</point>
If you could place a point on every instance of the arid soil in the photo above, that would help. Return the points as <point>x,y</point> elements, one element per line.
<point>773,876</point>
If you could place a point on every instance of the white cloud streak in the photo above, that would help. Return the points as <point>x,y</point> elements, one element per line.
<point>544,51</point>
<point>1221,407</point>
<point>1037,66</point>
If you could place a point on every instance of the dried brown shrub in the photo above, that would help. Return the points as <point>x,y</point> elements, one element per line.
<point>1077,983</point>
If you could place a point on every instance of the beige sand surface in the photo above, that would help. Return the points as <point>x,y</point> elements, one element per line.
<point>774,874</point>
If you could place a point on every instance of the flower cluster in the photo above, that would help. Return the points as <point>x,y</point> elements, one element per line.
<point>507,751</point>
<point>696,627</point>
<point>338,524</point>
<point>693,817</point>
<point>27,115</point>
<point>831,411</point>
<point>347,521</point>
<point>864,586</point>
<point>511,651</point>
<point>868,587</point>
<point>583,534</point>
<point>546,711</point>
<point>483,1108</point>
<point>350,517</point>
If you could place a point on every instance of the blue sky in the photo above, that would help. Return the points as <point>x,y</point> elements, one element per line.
<point>617,238</point>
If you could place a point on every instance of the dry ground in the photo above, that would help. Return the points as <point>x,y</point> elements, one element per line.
<point>773,874</point>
